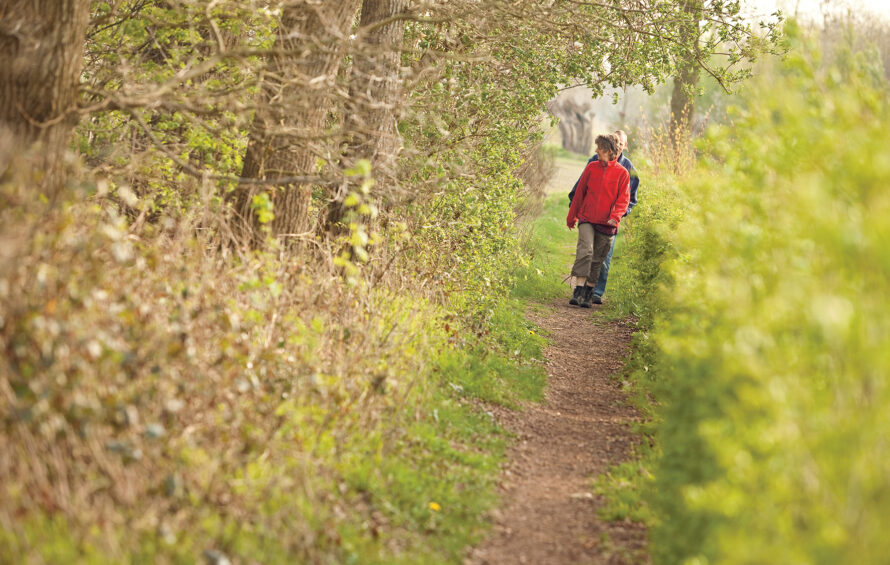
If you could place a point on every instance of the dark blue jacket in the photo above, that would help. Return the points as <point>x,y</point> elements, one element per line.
<point>634,180</point>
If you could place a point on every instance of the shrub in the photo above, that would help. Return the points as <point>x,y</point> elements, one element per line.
<point>771,328</point>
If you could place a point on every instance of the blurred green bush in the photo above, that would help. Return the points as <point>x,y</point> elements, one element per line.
<point>762,279</point>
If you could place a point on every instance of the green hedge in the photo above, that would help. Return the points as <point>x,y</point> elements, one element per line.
<point>769,327</point>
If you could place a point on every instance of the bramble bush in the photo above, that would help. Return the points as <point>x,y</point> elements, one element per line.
<point>769,327</point>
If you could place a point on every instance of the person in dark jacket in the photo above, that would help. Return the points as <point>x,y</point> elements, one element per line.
<point>600,288</point>
<point>601,200</point>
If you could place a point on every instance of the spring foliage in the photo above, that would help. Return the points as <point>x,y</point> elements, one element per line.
<point>167,398</point>
<point>169,395</point>
<point>768,308</point>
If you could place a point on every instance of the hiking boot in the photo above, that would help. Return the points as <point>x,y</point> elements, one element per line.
<point>577,296</point>
<point>585,298</point>
<point>596,299</point>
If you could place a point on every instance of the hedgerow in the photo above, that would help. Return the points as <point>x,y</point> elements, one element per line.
<point>763,288</point>
<point>164,401</point>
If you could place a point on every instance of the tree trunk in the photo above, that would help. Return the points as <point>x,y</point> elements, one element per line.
<point>683,95</point>
<point>41,53</point>
<point>575,123</point>
<point>375,90</point>
<point>290,118</point>
<point>683,103</point>
<point>375,87</point>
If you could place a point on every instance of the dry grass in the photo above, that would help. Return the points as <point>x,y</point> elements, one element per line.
<point>154,385</point>
<point>166,393</point>
<point>671,153</point>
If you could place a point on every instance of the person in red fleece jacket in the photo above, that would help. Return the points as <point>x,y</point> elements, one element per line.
<point>600,201</point>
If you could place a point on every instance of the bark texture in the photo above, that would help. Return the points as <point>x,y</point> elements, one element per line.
<point>683,95</point>
<point>375,85</point>
<point>41,54</point>
<point>375,93</point>
<point>289,124</point>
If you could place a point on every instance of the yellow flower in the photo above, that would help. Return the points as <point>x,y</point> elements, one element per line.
<point>434,506</point>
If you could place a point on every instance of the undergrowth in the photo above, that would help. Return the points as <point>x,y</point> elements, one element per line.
<point>167,401</point>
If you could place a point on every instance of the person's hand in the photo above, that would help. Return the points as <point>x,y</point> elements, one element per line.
<point>570,222</point>
<point>612,222</point>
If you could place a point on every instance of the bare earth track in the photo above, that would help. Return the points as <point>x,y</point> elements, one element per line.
<point>549,515</point>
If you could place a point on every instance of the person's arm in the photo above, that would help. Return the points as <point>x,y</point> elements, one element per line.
<point>634,184</point>
<point>574,188</point>
<point>575,207</point>
<point>623,199</point>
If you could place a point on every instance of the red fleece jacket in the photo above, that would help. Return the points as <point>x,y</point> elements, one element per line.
<point>603,193</point>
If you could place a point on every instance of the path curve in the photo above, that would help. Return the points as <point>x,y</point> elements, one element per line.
<point>549,515</point>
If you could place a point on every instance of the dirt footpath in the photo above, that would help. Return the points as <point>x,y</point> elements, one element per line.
<point>548,514</point>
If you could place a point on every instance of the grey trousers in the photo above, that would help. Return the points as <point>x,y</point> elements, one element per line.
<point>592,249</point>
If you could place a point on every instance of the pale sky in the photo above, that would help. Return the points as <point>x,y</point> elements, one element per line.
<point>814,8</point>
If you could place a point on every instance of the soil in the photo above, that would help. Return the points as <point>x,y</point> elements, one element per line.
<point>549,514</point>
